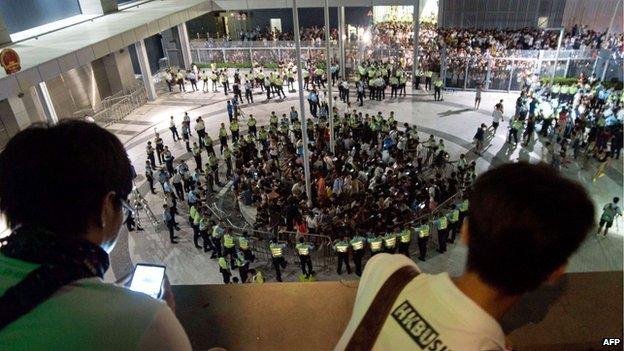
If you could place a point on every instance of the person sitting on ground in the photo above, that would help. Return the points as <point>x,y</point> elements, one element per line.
<point>63,225</point>
<point>510,254</point>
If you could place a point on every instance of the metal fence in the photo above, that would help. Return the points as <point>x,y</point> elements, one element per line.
<point>117,106</point>
<point>505,73</point>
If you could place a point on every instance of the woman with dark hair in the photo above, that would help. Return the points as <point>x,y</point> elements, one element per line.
<point>64,222</point>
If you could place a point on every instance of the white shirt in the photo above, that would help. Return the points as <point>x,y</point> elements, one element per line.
<point>429,314</point>
<point>497,115</point>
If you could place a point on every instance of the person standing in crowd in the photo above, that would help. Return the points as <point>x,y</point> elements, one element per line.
<point>497,117</point>
<point>405,239</point>
<point>160,147</point>
<point>223,137</point>
<point>303,251</point>
<point>479,138</point>
<point>478,91</point>
<point>248,92</point>
<point>149,150</point>
<point>243,266</point>
<point>169,221</point>
<point>609,213</point>
<point>174,130</point>
<point>149,175</point>
<point>190,76</point>
<point>465,311</point>
<point>186,136</point>
<point>200,129</point>
<point>360,92</point>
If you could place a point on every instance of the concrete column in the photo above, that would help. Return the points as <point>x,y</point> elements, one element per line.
<point>416,19</point>
<point>5,38</point>
<point>148,80</point>
<point>304,121</point>
<point>185,45</point>
<point>46,103</point>
<point>341,38</point>
<point>118,70</point>
<point>97,7</point>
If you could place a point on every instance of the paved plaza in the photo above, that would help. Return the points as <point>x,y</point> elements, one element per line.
<point>453,119</point>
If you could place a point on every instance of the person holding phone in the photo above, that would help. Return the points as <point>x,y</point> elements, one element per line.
<point>63,225</point>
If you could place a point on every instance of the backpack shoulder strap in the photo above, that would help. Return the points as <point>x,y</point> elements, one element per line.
<point>370,326</point>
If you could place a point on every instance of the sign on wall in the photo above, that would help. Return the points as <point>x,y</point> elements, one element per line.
<point>10,60</point>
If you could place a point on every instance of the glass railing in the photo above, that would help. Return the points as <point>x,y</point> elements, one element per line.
<point>502,71</point>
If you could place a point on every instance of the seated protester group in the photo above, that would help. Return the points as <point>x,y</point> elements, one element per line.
<point>512,253</point>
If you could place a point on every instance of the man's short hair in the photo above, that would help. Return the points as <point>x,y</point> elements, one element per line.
<point>524,222</point>
<point>55,178</point>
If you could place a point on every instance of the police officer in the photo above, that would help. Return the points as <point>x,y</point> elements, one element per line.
<point>224,268</point>
<point>160,146</point>
<point>405,238</point>
<point>204,226</point>
<point>442,229</point>
<point>243,266</point>
<point>277,256</point>
<point>149,150</point>
<point>251,126</point>
<point>243,245</point>
<point>303,250</point>
<point>390,242</point>
<point>208,144</point>
<point>227,156</point>
<point>234,129</point>
<point>437,93</point>
<point>217,232</point>
<point>223,136</point>
<point>342,249</point>
<point>213,168</point>
<point>193,216</point>
<point>229,249</point>
<point>376,244</point>
<point>170,223</point>
<point>149,175</point>
<point>357,245</point>
<point>423,239</point>
<point>197,156</point>
<point>455,224</point>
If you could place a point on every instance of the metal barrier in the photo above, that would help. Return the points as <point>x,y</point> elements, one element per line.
<point>117,106</point>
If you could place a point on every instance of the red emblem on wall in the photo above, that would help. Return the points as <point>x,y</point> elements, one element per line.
<point>9,59</point>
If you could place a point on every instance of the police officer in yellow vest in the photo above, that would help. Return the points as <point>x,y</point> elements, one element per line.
<point>277,256</point>
<point>454,224</point>
<point>442,228</point>
<point>405,238</point>
<point>423,239</point>
<point>390,242</point>
<point>234,127</point>
<point>194,217</point>
<point>463,210</point>
<point>417,76</point>
<point>207,140</point>
<point>428,76</point>
<point>227,157</point>
<point>303,250</point>
<point>376,244</point>
<point>229,249</point>
<point>223,136</point>
<point>243,266</point>
<point>437,93</point>
<point>204,225</point>
<point>357,245</point>
<point>217,232</point>
<point>224,268</point>
<point>342,249</point>
<point>251,125</point>
<point>243,245</point>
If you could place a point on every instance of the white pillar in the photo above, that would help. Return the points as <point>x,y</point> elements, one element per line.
<point>330,102</point>
<point>185,46</point>
<point>46,103</point>
<point>19,112</point>
<point>341,38</point>
<point>146,72</point>
<point>416,19</point>
<point>304,121</point>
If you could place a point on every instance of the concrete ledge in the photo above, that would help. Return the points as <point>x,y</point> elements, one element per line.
<point>575,314</point>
